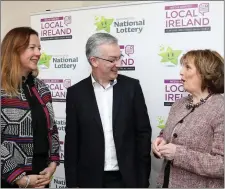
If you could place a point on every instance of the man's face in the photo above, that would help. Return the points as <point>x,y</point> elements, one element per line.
<point>108,70</point>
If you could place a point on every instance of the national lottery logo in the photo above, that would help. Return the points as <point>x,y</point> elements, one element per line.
<point>57,61</point>
<point>174,90</point>
<point>61,151</point>
<point>56,28</point>
<point>119,25</point>
<point>58,88</point>
<point>64,61</point>
<point>58,182</point>
<point>187,18</point>
<point>61,125</point>
<point>128,62</point>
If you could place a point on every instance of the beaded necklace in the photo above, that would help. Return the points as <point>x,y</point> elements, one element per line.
<point>202,101</point>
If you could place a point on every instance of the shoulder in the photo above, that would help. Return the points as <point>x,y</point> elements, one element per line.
<point>123,78</point>
<point>5,96</point>
<point>128,83</point>
<point>41,85</point>
<point>182,100</point>
<point>39,82</point>
<point>3,93</point>
<point>214,109</point>
<point>218,99</point>
<point>179,103</point>
<point>80,85</point>
<point>216,103</point>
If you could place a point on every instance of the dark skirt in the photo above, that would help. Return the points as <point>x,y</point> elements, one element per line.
<point>166,175</point>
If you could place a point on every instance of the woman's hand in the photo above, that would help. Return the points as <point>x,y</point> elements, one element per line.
<point>168,151</point>
<point>47,175</point>
<point>159,141</point>
<point>33,179</point>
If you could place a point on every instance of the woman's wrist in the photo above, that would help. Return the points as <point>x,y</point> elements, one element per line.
<point>23,182</point>
<point>28,181</point>
<point>53,165</point>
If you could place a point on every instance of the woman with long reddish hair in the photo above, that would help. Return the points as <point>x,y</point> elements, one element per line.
<point>30,143</point>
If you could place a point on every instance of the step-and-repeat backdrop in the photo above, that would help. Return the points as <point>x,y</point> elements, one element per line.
<point>152,38</point>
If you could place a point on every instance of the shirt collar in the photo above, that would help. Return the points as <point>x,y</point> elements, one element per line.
<point>112,83</point>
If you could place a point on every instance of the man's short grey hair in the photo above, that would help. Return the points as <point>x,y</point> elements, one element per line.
<point>95,41</point>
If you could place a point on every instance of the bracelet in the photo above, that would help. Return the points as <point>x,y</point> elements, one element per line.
<point>27,183</point>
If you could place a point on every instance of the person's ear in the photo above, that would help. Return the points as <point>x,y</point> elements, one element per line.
<point>93,61</point>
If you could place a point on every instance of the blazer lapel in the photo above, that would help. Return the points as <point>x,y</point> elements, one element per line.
<point>116,98</point>
<point>181,114</point>
<point>93,104</point>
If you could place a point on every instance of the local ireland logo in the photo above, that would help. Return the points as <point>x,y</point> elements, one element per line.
<point>58,88</point>
<point>128,62</point>
<point>161,122</point>
<point>56,28</point>
<point>103,23</point>
<point>174,90</point>
<point>187,18</point>
<point>169,55</point>
<point>44,61</point>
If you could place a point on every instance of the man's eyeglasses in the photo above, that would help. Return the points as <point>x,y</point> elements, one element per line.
<point>111,61</point>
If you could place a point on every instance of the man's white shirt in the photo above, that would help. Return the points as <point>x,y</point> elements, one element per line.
<point>104,97</point>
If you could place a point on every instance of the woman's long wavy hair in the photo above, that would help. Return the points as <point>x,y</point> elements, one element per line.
<point>14,43</point>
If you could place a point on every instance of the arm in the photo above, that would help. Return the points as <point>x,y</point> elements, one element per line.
<point>53,135</point>
<point>143,137</point>
<point>205,164</point>
<point>55,146</point>
<point>54,155</point>
<point>160,140</point>
<point>12,173</point>
<point>71,142</point>
<point>10,170</point>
